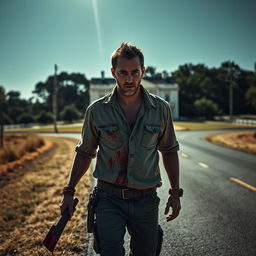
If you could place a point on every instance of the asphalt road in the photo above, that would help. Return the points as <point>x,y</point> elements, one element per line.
<point>218,216</point>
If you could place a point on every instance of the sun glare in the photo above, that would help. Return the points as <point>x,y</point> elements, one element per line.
<point>98,30</point>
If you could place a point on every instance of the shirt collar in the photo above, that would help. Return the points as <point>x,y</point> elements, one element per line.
<point>149,99</point>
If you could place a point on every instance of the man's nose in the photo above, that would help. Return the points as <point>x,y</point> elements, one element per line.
<point>129,78</point>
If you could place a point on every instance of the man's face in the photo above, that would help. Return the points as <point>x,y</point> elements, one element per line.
<point>128,74</point>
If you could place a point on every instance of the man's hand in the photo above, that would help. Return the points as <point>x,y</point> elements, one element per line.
<point>67,202</point>
<point>174,202</point>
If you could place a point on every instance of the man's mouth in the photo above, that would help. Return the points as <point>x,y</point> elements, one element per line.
<point>129,85</point>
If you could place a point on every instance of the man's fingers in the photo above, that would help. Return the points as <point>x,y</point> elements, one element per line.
<point>171,217</point>
<point>167,208</point>
<point>174,215</point>
<point>67,202</point>
<point>71,209</point>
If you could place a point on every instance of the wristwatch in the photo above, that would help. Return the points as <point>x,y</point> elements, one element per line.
<point>176,191</point>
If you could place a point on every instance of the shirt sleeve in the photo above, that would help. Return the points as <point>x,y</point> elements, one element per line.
<point>89,138</point>
<point>167,140</point>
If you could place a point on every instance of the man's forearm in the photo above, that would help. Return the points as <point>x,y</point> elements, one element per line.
<point>171,164</point>
<point>80,166</point>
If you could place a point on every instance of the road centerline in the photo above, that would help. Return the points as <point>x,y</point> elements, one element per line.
<point>242,183</point>
<point>203,165</point>
<point>184,155</point>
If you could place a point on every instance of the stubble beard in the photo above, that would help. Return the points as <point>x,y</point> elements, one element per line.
<point>132,92</point>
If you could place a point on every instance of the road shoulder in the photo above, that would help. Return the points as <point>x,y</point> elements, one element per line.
<point>244,141</point>
<point>30,205</point>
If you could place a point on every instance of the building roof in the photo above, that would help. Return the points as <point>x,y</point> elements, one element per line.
<point>104,81</point>
<point>160,80</point>
<point>154,80</point>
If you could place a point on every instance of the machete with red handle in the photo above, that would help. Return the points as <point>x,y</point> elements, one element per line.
<point>56,230</point>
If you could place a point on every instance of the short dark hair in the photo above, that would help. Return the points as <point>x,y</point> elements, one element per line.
<point>127,51</point>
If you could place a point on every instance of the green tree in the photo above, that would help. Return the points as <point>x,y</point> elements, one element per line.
<point>198,81</point>
<point>72,89</point>
<point>15,105</point>
<point>189,88</point>
<point>70,113</point>
<point>7,119</point>
<point>251,96</point>
<point>206,108</point>
<point>26,118</point>
<point>44,117</point>
<point>150,71</point>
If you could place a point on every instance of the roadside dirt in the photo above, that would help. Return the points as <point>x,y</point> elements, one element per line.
<point>30,206</point>
<point>245,141</point>
<point>14,169</point>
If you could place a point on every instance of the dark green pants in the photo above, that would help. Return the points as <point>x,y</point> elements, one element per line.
<point>139,216</point>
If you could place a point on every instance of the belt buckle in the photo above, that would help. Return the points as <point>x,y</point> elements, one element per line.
<point>123,193</point>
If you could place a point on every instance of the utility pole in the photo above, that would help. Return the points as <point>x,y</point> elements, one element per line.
<point>230,79</point>
<point>231,94</point>
<point>54,99</point>
<point>1,125</point>
<point>2,96</point>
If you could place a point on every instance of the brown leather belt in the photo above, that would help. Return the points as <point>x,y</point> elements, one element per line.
<point>124,193</point>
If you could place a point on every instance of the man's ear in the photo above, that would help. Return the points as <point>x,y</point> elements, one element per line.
<point>113,72</point>
<point>143,69</point>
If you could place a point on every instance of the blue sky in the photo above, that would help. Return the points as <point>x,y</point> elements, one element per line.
<point>80,35</point>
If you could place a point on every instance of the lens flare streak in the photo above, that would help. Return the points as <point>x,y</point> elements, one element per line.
<point>98,30</point>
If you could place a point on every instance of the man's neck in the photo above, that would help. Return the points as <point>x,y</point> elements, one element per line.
<point>129,100</point>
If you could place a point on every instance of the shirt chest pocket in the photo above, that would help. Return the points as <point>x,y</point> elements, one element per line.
<point>110,137</point>
<point>150,135</point>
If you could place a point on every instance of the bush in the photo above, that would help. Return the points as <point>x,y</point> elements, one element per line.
<point>70,113</point>
<point>206,108</point>
<point>26,118</point>
<point>45,117</point>
<point>7,119</point>
<point>251,96</point>
<point>33,142</point>
<point>15,146</point>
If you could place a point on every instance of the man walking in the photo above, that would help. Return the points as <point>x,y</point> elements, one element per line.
<point>128,127</point>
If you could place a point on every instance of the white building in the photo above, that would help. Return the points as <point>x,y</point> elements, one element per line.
<point>165,87</point>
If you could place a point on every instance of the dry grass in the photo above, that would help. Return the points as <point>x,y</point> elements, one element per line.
<point>14,169</point>
<point>30,205</point>
<point>17,145</point>
<point>211,125</point>
<point>245,141</point>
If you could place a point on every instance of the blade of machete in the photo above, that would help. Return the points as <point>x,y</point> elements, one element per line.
<point>56,230</point>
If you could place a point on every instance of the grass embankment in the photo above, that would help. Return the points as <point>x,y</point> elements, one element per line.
<point>245,141</point>
<point>17,145</point>
<point>61,129</point>
<point>211,125</point>
<point>21,151</point>
<point>30,205</point>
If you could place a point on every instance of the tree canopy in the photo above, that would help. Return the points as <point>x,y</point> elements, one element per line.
<point>203,92</point>
<point>198,82</point>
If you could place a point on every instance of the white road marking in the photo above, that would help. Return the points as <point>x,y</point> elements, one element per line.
<point>184,155</point>
<point>203,165</point>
